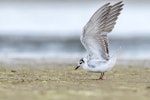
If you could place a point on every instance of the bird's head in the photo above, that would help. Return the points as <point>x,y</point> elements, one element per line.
<point>80,63</point>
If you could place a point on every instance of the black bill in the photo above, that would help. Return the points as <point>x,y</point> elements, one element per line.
<point>76,67</point>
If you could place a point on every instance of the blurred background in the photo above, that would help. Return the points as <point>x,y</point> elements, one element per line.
<point>52,28</point>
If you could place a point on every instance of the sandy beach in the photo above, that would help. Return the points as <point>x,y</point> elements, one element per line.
<point>39,79</point>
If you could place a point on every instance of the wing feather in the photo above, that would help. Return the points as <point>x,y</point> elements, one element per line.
<point>94,37</point>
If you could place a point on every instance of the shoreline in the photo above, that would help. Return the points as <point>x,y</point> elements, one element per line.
<point>51,62</point>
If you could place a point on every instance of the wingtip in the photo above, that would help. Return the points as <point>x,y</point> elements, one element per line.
<point>119,3</point>
<point>107,4</point>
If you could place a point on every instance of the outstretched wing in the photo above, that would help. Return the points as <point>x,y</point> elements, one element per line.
<point>94,37</point>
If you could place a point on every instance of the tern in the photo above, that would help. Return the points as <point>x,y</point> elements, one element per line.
<point>95,39</point>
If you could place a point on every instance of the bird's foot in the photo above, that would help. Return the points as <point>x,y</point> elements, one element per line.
<point>100,78</point>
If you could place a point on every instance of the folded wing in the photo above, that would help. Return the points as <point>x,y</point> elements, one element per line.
<point>94,37</point>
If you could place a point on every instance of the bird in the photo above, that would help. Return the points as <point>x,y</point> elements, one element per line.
<point>95,39</point>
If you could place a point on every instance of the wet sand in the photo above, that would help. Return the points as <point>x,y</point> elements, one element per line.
<point>46,79</point>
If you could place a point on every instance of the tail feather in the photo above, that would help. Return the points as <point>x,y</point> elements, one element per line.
<point>116,53</point>
<point>113,59</point>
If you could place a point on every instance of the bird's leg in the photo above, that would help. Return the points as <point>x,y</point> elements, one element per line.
<point>101,76</point>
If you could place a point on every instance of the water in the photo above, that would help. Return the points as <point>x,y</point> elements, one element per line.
<point>47,46</point>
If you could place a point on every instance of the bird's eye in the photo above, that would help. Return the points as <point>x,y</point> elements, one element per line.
<point>80,63</point>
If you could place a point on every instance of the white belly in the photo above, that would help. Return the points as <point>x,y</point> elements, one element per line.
<point>99,66</point>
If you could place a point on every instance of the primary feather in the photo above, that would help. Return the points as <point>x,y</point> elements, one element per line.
<point>94,37</point>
